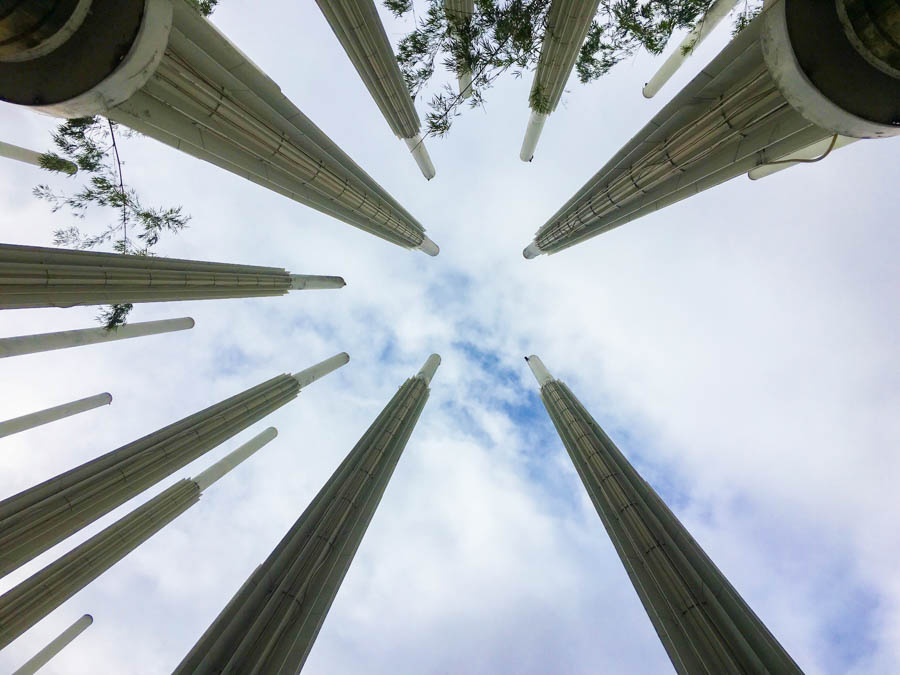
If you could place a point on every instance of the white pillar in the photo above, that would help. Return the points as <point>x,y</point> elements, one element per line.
<point>809,152</point>
<point>310,282</point>
<point>718,11</point>
<point>541,373</point>
<point>45,342</point>
<point>419,152</point>
<point>210,475</point>
<point>313,373</point>
<point>36,419</point>
<point>464,80</point>
<point>40,659</point>
<point>429,247</point>
<point>430,367</point>
<point>532,251</point>
<point>28,156</point>
<point>532,134</point>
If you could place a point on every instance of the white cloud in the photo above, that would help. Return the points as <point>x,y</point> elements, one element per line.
<point>740,347</point>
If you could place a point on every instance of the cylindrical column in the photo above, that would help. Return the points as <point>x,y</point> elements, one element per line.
<point>704,26</point>
<point>33,599</point>
<point>36,419</point>
<point>45,342</point>
<point>358,28</point>
<point>39,660</point>
<point>702,621</point>
<point>41,516</point>
<point>459,13</point>
<point>31,157</point>
<point>568,22</point>
<point>313,373</point>
<point>272,622</point>
<point>160,68</point>
<point>34,276</point>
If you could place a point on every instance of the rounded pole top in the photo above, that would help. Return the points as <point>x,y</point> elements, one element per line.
<point>429,247</point>
<point>313,373</point>
<point>532,251</point>
<point>541,374</point>
<point>429,368</point>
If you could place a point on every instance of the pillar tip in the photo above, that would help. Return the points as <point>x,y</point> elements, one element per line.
<point>313,373</point>
<point>531,251</point>
<point>541,374</point>
<point>430,367</point>
<point>429,247</point>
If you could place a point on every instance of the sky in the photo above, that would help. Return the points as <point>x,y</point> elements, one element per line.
<point>740,347</point>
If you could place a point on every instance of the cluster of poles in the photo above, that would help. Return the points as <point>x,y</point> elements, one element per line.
<point>772,98</point>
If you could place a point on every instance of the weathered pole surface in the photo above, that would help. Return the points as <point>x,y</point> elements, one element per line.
<point>271,624</point>
<point>161,68</point>
<point>58,412</point>
<point>34,276</point>
<point>30,601</point>
<point>568,22</point>
<point>358,28</point>
<point>702,621</point>
<point>45,342</point>
<point>39,660</point>
<point>460,13</point>
<point>774,90</point>
<point>41,516</point>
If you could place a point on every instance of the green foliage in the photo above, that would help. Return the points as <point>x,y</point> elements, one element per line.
<point>205,7</point>
<point>90,144</point>
<point>506,36</point>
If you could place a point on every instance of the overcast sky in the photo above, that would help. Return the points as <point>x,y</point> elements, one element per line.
<point>739,347</point>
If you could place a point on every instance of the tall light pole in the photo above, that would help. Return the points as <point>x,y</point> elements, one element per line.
<point>30,601</point>
<point>33,276</point>
<point>271,624</point>
<point>162,69</point>
<point>359,30</point>
<point>568,22</point>
<point>45,342</point>
<point>42,516</point>
<point>775,90</point>
<point>702,621</point>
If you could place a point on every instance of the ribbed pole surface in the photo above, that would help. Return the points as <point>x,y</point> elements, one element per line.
<point>45,342</point>
<point>207,99</point>
<point>33,599</point>
<point>53,414</point>
<point>39,660</point>
<point>33,276</point>
<point>359,29</point>
<point>568,22</point>
<point>271,624</point>
<point>39,517</point>
<point>702,621</point>
<point>729,119</point>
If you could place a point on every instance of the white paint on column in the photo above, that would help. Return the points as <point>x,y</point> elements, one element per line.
<point>206,478</point>
<point>40,659</point>
<point>541,373</point>
<point>429,368</point>
<point>718,11</point>
<point>313,373</point>
<point>58,412</point>
<point>45,342</point>
<point>310,282</point>
<point>420,153</point>
<point>532,134</point>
